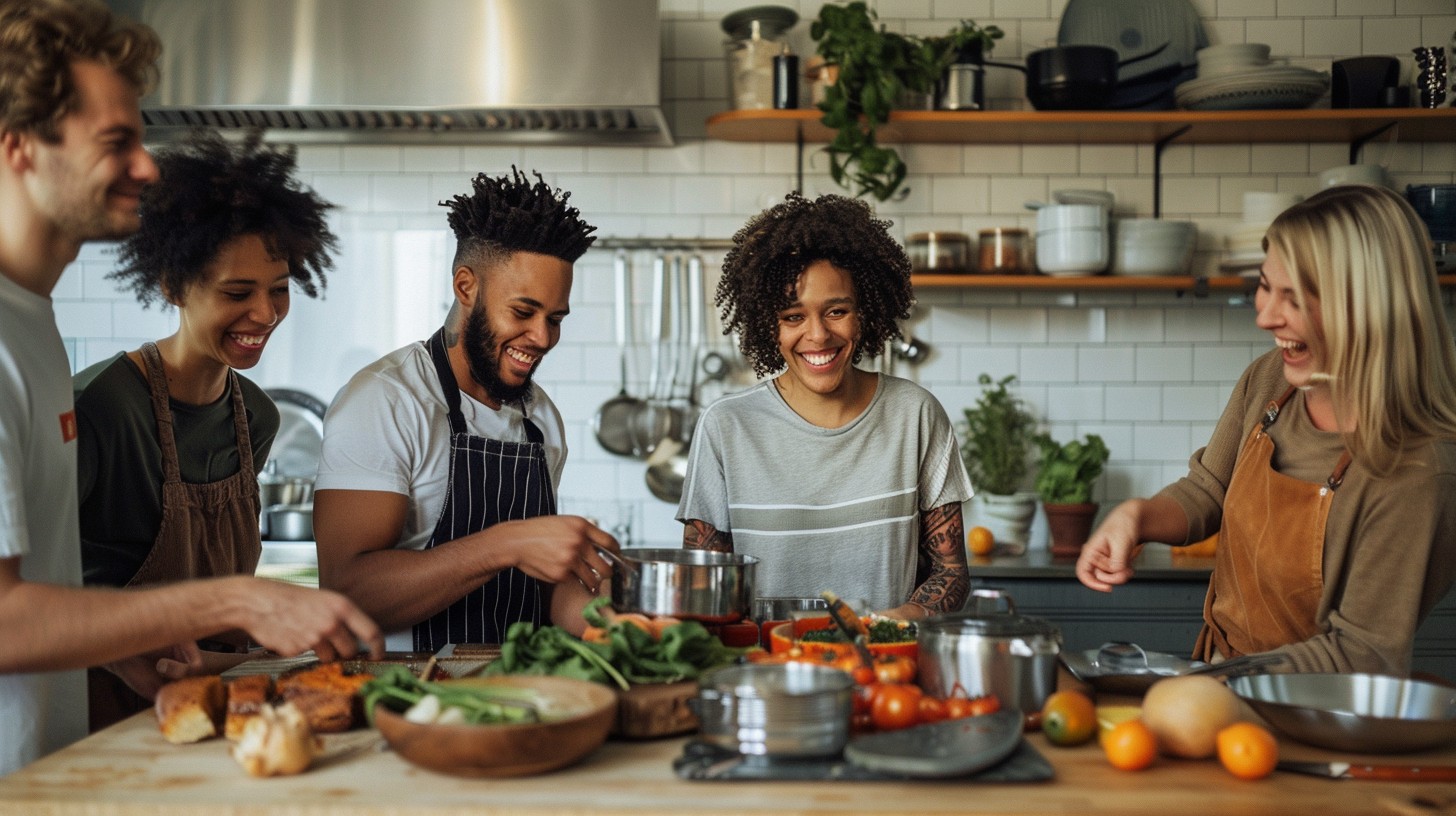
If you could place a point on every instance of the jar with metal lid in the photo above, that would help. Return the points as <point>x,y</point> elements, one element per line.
<point>939,251</point>
<point>755,38</point>
<point>1003,251</point>
<point>990,649</point>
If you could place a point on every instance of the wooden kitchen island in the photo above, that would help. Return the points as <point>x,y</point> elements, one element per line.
<point>129,770</point>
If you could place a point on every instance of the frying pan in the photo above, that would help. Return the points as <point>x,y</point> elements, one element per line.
<point>1073,77</point>
<point>612,423</point>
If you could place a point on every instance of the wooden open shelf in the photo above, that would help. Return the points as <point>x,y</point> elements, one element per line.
<point>1102,127</point>
<point>1167,283</point>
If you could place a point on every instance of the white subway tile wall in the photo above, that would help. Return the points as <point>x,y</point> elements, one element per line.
<point>1149,371</point>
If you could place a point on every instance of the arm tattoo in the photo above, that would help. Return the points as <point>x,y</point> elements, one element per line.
<point>700,535</point>
<point>942,543</point>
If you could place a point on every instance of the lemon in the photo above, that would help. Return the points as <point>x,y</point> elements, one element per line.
<point>1111,716</point>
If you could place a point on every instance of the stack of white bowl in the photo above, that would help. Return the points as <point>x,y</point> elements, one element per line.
<point>1245,240</point>
<point>1071,239</point>
<point>1152,246</point>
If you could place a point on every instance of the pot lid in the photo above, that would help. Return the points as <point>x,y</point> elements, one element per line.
<point>772,21</point>
<point>998,624</point>
<point>300,438</point>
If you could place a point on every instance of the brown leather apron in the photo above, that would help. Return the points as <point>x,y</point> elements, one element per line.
<point>207,530</point>
<point>1268,572</point>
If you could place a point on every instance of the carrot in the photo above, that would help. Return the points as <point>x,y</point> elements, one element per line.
<point>636,619</point>
<point>656,626</point>
<point>595,634</point>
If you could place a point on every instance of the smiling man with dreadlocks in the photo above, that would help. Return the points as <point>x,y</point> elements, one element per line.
<point>435,506</point>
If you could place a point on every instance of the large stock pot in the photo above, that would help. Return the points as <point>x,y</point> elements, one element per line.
<point>990,649</point>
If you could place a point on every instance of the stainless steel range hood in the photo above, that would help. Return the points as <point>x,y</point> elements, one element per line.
<point>432,71</point>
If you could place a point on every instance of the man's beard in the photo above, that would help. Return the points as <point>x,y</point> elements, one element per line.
<point>482,353</point>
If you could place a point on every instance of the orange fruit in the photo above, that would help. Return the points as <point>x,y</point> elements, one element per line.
<point>980,541</point>
<point>1130,746</point>
<point>1247,750</point>
<point>1068,718</point>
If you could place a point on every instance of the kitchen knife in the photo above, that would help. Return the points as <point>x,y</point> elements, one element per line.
<point>850,624</point>
<point>1393,773</point>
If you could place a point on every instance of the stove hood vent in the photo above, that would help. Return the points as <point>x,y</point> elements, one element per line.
<point>556,72</point>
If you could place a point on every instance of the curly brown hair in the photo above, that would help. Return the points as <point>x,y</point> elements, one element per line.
<point>213,191</point>
<point>774,248</point>
<point>512,214</point>
<point>39,39</point>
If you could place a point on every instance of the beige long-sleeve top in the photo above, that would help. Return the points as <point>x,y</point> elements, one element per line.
<point>1390,541</point>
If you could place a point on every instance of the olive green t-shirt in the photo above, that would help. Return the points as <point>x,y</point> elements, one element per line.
<point>120,460</point>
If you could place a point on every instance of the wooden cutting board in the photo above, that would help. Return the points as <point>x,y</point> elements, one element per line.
<point>656,710</point>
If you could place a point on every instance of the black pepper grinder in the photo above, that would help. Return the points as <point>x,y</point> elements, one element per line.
<point>785,80</point>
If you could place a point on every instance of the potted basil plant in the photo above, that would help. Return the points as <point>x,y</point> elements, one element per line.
<point>1064,483</point>
<point>998,438</point>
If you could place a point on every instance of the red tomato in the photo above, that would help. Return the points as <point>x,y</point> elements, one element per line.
<point>861,722</point>
<point>957,707</point>
<point>985,704</point>
<point>932,709</point>
<point>895,669</point>
<point>896,705</point>
<point>863,697</point>
<point>863,675</point>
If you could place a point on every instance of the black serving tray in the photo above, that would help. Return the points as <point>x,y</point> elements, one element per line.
<point>703,762</point>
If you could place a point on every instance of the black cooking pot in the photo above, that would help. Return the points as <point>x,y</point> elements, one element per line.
<point>1073,77</point>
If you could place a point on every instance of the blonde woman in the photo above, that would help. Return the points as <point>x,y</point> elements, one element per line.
<point>1331,476</point>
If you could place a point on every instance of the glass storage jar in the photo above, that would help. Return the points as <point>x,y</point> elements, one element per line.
<point>755,37</point>
<point>1003,251</point>
<point>939,252</point>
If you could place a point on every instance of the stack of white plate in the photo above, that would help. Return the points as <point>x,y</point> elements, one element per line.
<point>1152,246</point>
<point>1244,241</point>
<point>1239,76</point>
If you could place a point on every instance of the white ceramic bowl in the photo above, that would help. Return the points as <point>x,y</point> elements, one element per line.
<point>1072,251</point>
<point>1071,216</point>
<point>1146,246</point>
<point>1372,174</point>
<point>1262,207</point>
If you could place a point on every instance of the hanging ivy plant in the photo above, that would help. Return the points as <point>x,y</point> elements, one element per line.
<point>875,67</point>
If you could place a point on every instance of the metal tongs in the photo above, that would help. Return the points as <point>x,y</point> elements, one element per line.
<point>850,624</point>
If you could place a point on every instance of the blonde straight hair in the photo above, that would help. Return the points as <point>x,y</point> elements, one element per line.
<point>1365,254</point>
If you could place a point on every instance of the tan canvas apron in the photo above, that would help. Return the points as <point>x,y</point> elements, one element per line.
<point>1268,570</point>
<point>207,530</point>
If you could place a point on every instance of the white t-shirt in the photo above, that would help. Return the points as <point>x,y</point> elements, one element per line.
<point>389,430</point>
<point>39,517</point>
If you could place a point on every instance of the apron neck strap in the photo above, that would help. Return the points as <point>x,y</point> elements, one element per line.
<point>1271,412</point>
<point>436,344</point>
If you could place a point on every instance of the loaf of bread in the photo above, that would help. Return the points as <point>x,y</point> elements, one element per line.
<point>246,696</point>
<point>327,697</point>
<point>276,741</point>
<point>190,709</point>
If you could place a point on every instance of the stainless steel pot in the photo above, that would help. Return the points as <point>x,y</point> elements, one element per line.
<point>990,650</point>
<point>776,709</point>
<point>701,585</point>
<point>290,522</point>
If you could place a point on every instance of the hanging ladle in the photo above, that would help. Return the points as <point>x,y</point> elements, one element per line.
<point>612,423</point>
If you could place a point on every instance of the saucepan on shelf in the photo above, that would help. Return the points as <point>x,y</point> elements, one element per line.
<point>1073,77</point>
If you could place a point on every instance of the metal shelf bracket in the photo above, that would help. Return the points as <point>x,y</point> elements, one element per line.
<point>1158,147</point>
<point>1357,144</point>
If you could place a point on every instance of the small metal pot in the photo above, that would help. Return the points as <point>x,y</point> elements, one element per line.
<point>701,585</point>
<point>775,709</point>
<point>290,522</point>
<point>990,650</point>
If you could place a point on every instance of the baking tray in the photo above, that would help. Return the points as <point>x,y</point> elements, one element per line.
<point>701,762</point>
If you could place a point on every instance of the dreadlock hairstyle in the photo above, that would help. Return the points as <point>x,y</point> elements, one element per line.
<point>212,191</point>
<point>511,214</point>
<point>771,251</point>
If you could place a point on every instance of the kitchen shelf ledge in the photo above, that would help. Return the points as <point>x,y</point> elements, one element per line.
<point>1101,127</point>
<point>1167,283</point>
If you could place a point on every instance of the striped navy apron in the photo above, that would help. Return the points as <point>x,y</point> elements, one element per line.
<point>490,482</point>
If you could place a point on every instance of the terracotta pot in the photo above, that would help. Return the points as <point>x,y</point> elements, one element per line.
<point>1069,526</point>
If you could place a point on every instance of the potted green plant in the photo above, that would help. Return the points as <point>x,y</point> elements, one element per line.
<point>874,68</point>
<point>1064,480</point>
<point>999,433</point>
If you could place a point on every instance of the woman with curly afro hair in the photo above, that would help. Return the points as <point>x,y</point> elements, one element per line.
<point>171,438</point>
<point>835,477</point>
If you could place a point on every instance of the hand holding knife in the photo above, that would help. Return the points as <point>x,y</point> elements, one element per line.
<point>1390,773</point>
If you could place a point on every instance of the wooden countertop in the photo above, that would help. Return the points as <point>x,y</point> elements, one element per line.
<point>1157,562</point>
<point>128,770</point>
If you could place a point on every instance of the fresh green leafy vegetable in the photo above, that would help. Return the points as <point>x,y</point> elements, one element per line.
<point>882,630</point>
<point>627,654</point>
<point>398,689</point>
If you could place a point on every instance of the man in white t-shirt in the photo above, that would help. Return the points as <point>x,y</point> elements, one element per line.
<point>72,169</point>
<point>435,505</point>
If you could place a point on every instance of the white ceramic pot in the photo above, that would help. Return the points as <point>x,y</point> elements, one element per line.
<point>1008,518</point>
